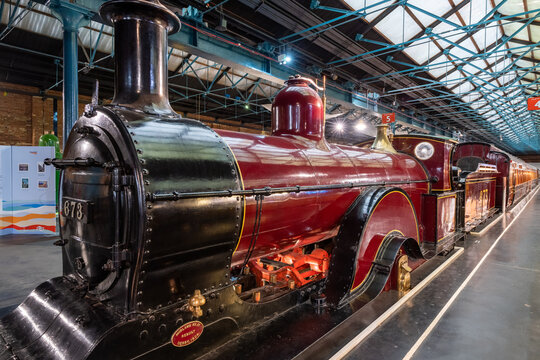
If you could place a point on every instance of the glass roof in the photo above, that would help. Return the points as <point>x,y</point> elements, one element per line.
<point>482,55</point>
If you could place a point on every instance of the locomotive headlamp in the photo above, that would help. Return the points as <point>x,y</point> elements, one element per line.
<point>424,151</point>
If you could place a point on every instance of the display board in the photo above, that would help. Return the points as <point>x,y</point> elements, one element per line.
<point>5,190</point>
<point>27,190</point>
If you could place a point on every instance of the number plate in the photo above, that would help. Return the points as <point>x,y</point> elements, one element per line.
<point>77,209</point>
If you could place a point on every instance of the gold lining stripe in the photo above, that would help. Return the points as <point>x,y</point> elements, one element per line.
<point>444,237</point>
<point>243,200</point>
<point>427,138</point>
<point>476,181</point>
<point>446,196</point>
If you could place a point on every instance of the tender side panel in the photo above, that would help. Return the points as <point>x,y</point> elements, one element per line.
<point>439,216</point>
<point>502,161</point>
<point>479,198</point>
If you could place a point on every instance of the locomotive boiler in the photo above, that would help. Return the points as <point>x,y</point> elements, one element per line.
<point>175,235</point>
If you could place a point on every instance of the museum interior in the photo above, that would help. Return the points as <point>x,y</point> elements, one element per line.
<point>269,179</point>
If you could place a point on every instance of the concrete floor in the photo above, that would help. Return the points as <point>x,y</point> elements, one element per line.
<point>496,316</point>
<point>26,261</point>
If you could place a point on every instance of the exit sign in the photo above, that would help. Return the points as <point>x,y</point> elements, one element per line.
<point>388,118</point>
<point>533,103</point>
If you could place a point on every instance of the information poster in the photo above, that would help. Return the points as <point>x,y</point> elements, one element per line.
<point>5,190</point>
<point>31,205</point>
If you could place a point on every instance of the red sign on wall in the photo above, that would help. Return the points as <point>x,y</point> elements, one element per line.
<point>533,103</point>
<point>388,118</point>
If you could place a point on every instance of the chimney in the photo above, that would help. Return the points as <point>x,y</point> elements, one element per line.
<point>140,52</point>
<point>381,141</point>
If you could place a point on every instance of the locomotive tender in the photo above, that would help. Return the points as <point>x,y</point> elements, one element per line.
<point>174,235</point>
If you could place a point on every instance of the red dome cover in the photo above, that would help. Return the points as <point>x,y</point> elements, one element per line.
<point>298,110</point>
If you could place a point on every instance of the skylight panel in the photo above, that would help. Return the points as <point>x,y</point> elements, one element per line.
<point>459,53</point>
<point>372,11</point>
<point>511,27</point>
<point>474,66</point>
<point>473,104</point>
<point>498,67</point>
<point>510,6</point>
<point>439,70</point>
<point>493,118</point>
<point>448,32</point>
<point>440,60</point>
<point>452,78</point>
<point>530,76</point>
<point>421,50</point>
<point>504,80</point>
<point>438,8</point>
<point>463,88</point>
<point>398,26</point>
<point>516,48</point>
<point>535,33</point>
<point>479,9</point>
<point>515,93</point>
<point>524,63</point>
<point>528,82</point>
<point>487,36</point>
<point>499,93</point>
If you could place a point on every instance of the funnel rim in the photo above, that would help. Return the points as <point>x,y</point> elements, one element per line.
<point>147,8</point>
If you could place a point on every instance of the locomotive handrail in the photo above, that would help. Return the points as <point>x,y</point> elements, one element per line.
<point>266,191</point>
<point>63,163</point>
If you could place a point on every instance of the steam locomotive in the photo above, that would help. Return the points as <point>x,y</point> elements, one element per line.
<point>175,235</point>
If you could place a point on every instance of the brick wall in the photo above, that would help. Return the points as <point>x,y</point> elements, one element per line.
<point>15,118</point>
<point>25,115</point>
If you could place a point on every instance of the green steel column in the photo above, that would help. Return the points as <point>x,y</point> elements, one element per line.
<point>72,17</point>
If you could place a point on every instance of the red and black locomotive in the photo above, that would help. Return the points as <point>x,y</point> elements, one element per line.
<point>174,235</point>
